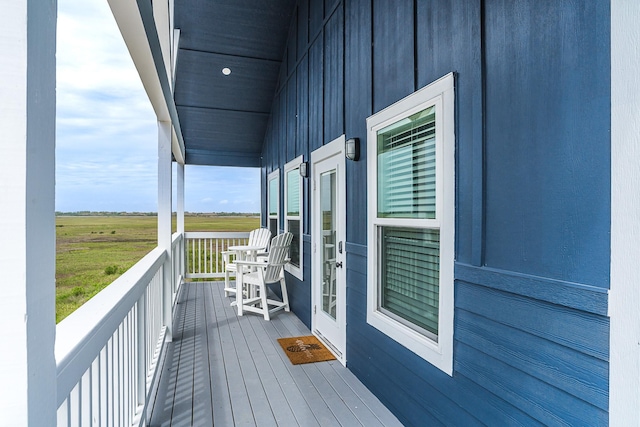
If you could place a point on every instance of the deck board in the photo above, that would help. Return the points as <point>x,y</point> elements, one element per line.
<point>222,411</point>
<point>222,369</point>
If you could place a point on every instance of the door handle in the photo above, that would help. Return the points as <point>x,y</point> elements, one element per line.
<point>339,264</point>
<point>339,247</point>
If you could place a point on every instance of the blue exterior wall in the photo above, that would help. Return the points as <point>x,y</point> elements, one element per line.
<point>532,194</point>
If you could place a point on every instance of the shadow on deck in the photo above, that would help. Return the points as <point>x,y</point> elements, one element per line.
<point>230,371</point>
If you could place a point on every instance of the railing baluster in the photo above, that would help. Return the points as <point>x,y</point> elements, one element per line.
<point>100,400</point>
<point>199,254</point>
<point>85,398</point>
<point>204,260</point>
<point>130,371</point>
<point>142,350</point>
<point>110,385</point>
<point>211,270</point>
<point>217,256</point>
<point>117,398</point>
<point>193,251</point>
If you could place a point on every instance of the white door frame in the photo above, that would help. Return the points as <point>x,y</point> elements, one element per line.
<point>338,346</point>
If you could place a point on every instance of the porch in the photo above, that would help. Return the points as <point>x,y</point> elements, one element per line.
<point>118,364</point>
<point>222,369</point>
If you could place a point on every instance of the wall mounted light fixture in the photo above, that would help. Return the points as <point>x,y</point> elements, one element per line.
<point>352,149</point>
<point>304,169</point>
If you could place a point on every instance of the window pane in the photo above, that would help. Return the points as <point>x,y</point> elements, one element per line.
<point>328,196</point>
<point>294,251</point>
<point>293,192</point>
<point>273,197</point>
<point>407,167</point>
<point>273,226</point>
<point>409,276</point>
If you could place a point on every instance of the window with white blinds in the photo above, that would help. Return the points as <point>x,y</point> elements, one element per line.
<point>411,222</point>
<point>293,214</point>
<point>273,204</point>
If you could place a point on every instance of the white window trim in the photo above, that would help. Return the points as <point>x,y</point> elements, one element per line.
<point>292,165</point>
<point>273,175</point>
<point>441,95</point>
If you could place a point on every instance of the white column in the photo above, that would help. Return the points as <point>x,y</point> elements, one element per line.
<point>27,221</point>
<point>180,214</point>
<point>624,299</point>
<point>164,218</point>
<point>180,196</point>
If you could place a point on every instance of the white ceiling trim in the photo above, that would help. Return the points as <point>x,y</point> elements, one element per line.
<point>144,47</point>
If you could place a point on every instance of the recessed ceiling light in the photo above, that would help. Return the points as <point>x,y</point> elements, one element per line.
<point>226,71</point>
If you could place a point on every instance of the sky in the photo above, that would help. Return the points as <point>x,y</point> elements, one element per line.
<point>106,136</point>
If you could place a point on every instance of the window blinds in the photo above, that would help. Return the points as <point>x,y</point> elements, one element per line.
<point>410,275</point>
<point>407,167</point>
<point>293,192</point>
<point>273,197</point>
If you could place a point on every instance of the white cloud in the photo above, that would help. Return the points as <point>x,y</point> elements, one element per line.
<point>106,128</point>
<point>106,156</point>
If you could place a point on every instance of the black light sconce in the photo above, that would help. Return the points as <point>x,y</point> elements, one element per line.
<point>304,169</point>
<point>352,149</point>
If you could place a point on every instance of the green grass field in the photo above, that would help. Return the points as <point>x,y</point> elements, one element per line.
<point>93,251</point>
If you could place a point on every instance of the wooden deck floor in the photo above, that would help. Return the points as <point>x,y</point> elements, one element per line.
<point>230,371</point>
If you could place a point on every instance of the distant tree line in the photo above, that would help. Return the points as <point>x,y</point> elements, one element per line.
<point>106,213</point>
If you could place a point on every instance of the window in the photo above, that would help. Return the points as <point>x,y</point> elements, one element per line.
<point>273,195</point>
<point>411,187</point>
<point>293,214</point>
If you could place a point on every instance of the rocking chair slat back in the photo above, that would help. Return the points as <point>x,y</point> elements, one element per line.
<point>278,257</point>
<point>260,237</point>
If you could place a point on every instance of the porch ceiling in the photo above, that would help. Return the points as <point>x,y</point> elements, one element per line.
<point>224,118</point>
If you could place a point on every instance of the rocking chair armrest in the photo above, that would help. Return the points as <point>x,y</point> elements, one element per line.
<point>227,256</point>
<point>251,263</point>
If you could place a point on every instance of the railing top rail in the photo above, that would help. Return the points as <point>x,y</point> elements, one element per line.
<point>216,234</point>
<point>81,335</point>
<point>175,238</point>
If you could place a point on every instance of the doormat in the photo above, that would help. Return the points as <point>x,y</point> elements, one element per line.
<point>307,349</point>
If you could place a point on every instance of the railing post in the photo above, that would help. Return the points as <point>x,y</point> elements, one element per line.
<point>164,220</point>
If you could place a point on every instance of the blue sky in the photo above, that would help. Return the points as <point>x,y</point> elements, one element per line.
<point>106,143</point>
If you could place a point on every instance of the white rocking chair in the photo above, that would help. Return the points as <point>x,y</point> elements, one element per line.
<point>265,273</point>
<point>257,238</point>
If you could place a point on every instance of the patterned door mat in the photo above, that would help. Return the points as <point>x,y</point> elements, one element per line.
<point>307,349</point>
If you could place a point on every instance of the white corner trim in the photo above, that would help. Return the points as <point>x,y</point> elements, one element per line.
<point>624,296</point>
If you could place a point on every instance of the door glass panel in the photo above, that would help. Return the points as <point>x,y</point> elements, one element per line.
<point>328,211</point>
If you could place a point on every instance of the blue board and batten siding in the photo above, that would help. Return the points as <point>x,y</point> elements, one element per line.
<point>532,194</point>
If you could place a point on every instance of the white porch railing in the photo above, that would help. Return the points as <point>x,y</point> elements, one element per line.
<point>108,350</point>
<point>204,252</point>
<point>177,262</point>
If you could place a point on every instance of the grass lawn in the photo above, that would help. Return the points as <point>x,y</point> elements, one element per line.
<point>93,251</point>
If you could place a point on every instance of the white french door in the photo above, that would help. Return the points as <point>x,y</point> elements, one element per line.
<point>328,243</point>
